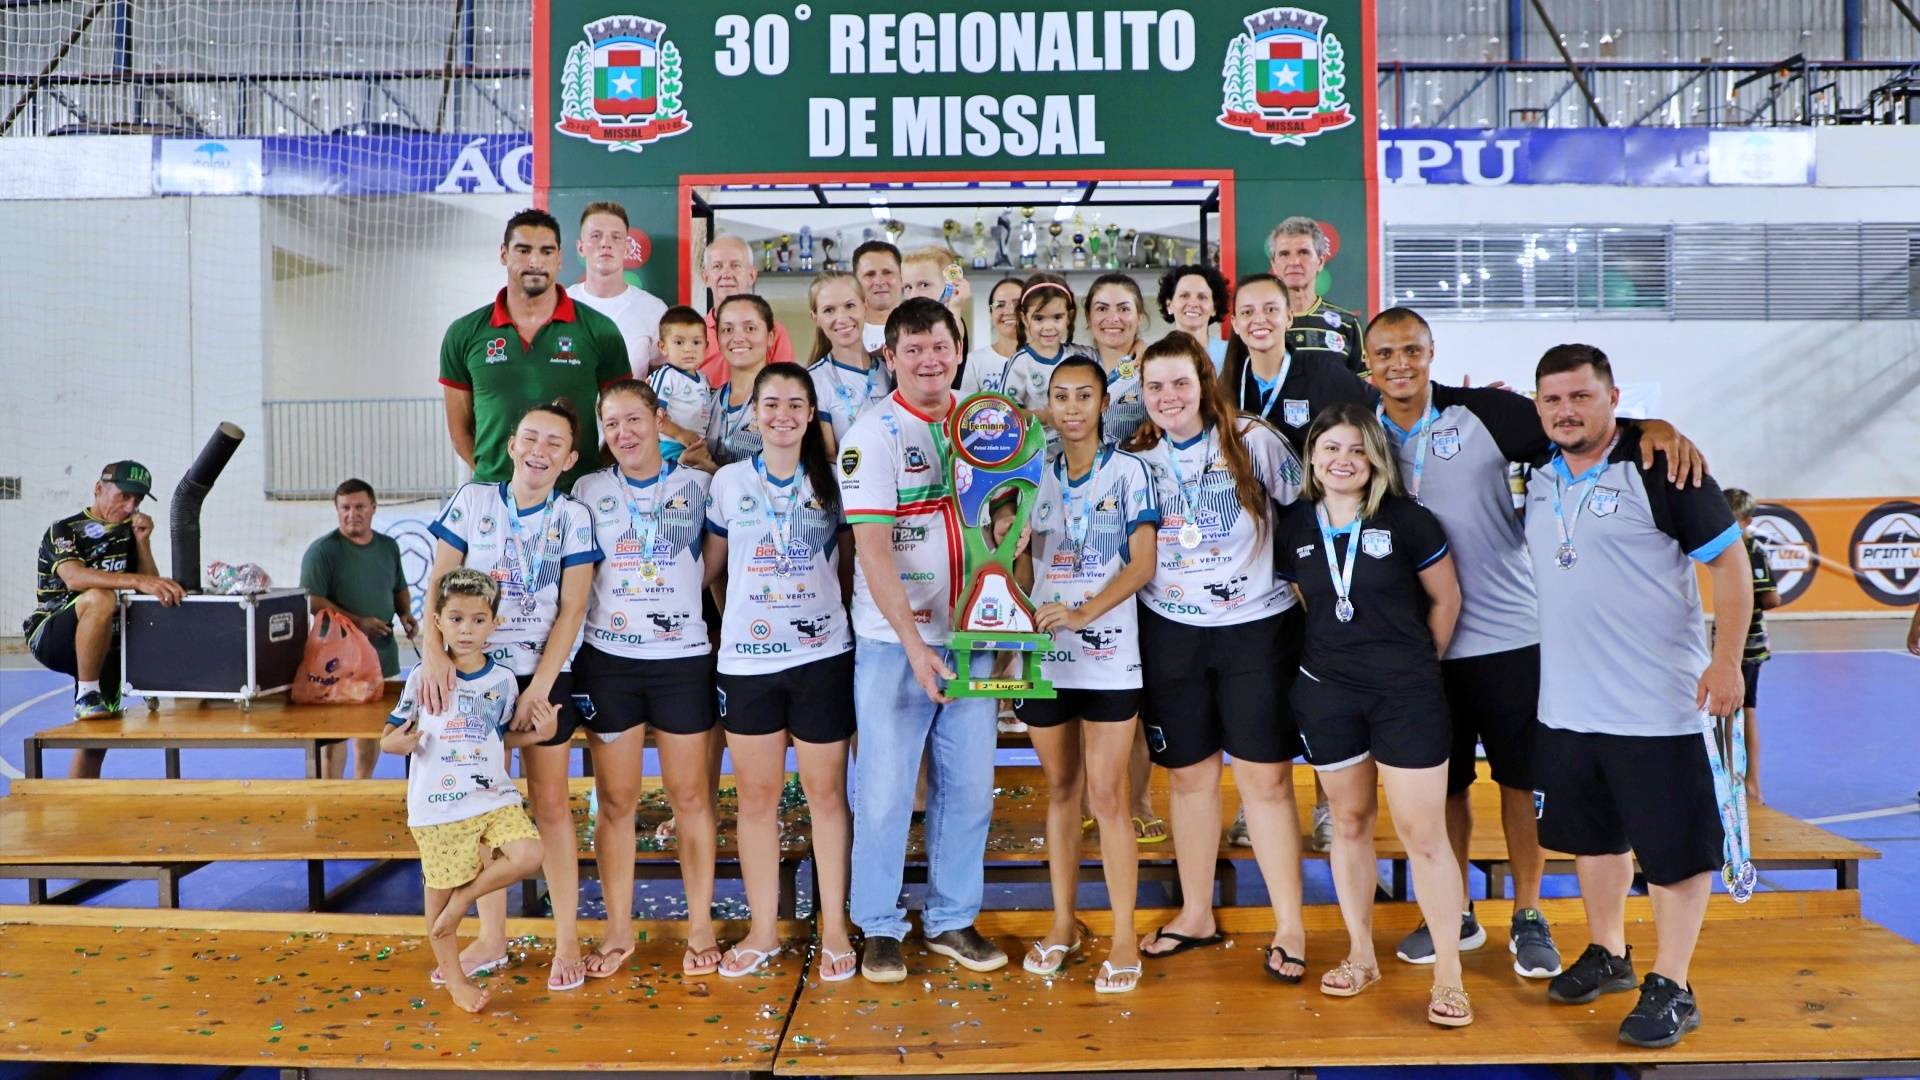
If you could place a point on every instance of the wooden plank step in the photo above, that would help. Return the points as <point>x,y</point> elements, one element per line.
<point>1786,977</point>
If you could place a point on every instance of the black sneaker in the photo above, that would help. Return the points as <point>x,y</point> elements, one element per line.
<point>1665,1013</point>
<point>969,948</point>
<point>1596,972</point>
<point>881,961</point>
<point>1417,946</point>
<point>1530,940</point>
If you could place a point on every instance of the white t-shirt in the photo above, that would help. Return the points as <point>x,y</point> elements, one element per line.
<point>1029,373</point>
<point>637,313</point>
<point>780,612</point>
<point>481,523</point>
<point>646,596</point>
<point>890,474</point>
<point>685,395</point>
<point>845,393</point>
<point>732,434</point>
<point>459,768</point>
<point>1080,540</point>
<point>1227,578</point>
<point>986,371</point>
<point>874,336</point>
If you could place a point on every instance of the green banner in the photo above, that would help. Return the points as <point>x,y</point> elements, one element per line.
<point>641,100</point>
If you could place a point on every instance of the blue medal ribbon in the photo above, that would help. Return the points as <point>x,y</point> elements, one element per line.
<point>1342,575</point>
<point>534,555</point>
<point>1279,378</point>
<point>1422,431</point>
<point>1566,556</point>
<point>782,523</point>
<point>1079,514</point>
<point>644,526</point>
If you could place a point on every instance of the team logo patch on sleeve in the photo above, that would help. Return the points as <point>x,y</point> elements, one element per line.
<point>1446,443</point>
<point>1376,543</point>
<point>1336,341</point>
<point>1605,501</point>
<point>849,461</point>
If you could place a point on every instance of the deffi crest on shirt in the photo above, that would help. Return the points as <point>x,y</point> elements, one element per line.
<point>1376,543</point>
<point>1605,501</point>
<point>1446,443</point>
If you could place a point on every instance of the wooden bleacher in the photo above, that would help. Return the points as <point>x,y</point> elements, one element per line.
<point>1015,851</point>
<point>161,830</point>
<point>1790,984</point>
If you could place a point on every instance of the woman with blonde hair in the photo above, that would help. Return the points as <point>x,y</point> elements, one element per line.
<point>846,376</point>
<point>1375,574</point>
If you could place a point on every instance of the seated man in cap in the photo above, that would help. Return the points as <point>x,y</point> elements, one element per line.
<point>84,559</point>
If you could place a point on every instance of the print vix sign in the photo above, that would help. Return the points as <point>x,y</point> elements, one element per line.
<point>643,94</point>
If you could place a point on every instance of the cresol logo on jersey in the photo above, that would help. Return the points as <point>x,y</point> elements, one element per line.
<point>760,630</point>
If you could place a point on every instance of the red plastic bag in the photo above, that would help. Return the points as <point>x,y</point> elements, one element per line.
<point>340,666</point>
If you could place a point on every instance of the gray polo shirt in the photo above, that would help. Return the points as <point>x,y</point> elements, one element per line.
<point>1470,436</point>
<point>1622,637</point>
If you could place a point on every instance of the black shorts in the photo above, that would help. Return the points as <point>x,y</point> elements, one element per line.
<point>1341,726</point>
<point>620,693</point>
<point>1750,674</point>
<point>52,643</point>
<point>1649,794</point>
<point>1214,688</point>
<point>812,701</point>
<point>1494,701</point>
<point>566,714</point>
<point>1069,703</point>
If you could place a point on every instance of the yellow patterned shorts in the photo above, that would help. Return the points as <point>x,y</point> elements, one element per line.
<point>450,853</point>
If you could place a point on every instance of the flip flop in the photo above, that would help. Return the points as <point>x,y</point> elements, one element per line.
<point>1285,959</point>
<point>1143,825</point>
<point>1103,983</point>
<point>1357,979</point>
<point>834,958</point>
<point>703,969</point>
<point>576,983</point>
<point>1045,952</point>
<point>484,967</point>
<point>604,954</point>
<point>759,961</point>
<point>1181,943</point>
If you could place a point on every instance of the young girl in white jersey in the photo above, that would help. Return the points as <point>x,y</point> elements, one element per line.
<point>846,377</point>
<point>645,662</point>
<point>1219,635</point>
<point>538,544</point>
<point>1093,548</point>
<point>1046,337</point>
<point>786,658</point>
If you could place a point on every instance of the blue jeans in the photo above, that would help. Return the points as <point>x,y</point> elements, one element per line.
<point>894,719</point>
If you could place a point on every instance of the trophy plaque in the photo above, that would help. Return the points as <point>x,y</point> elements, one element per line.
<point>991,448</point>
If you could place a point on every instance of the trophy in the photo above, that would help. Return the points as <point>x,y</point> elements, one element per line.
<point>894,227</point>
<point>1079,250</point>
<point>1113,247</point>
<point>1029,239</point>
<point>1133,248</point>
<point>950,229</point>
<point>783,255</point>
<point>979,244</point>
<point>990,448</point>
<point>766,254</point>
<point>1093,248</point>
<point>1053,245</point>
<point>806,249</point>
<point>1002,235</point>
<point>827,244</point>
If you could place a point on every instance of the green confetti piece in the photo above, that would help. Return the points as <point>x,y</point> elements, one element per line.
<point>303,1048</point>
<point>713,1019</point>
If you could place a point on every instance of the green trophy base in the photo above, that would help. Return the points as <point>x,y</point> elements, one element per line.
<point>966,645</point>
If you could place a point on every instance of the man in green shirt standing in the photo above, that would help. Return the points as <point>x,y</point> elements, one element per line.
<point>355,573</point>
<point>532,344</point>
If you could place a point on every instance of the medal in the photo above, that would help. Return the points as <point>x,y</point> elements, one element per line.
<point>530,605</point>
<point>1079,513</point>
<point>649,570</point>
<point>781,521</point>
<point>1565,556</point>
<point>532,555</point>
<point>1342,576</point>
<point>1190,493</point>
<point>644,526</point>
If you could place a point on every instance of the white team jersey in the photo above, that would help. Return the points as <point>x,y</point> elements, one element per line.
<point>459,768</point>
<point>637,313</point>
<point>1126,411</point>
<point>524,552</point>
<point>844,393</point>
<point>731,432</point>
<point>985,372</point>
<point>781,611</point>
<point>1029,374</point>
<point>685,395</point>
<point>1227,577</point>
<point>1080,535</point>
<point>873,335</point>
<point>890,474</point>
<point>646,596</point>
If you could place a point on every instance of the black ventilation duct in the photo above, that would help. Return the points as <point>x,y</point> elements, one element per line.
<point>183,516</point>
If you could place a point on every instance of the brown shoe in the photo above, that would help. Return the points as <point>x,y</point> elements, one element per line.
<point>881,962</point>
<point>969,949</point>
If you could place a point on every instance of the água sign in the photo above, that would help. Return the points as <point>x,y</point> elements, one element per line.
<point>649,96</point>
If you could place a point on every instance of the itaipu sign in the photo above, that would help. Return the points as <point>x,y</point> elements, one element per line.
<point>652,98</point>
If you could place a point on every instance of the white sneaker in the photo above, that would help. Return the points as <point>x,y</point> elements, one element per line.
<point>1322,838</point>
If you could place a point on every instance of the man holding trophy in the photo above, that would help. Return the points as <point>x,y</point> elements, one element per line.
<point>896,485</point>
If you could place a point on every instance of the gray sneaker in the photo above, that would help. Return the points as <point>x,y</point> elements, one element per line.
<point>1531,942</point>
<point>967,947</point>
<point>1417,947</point>
<point>1237,832</point>
<point>1322,839</point>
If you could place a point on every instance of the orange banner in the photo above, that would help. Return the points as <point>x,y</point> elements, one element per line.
<point>1842,555</point>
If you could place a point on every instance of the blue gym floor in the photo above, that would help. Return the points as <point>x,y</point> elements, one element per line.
<point>1838,740</point>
